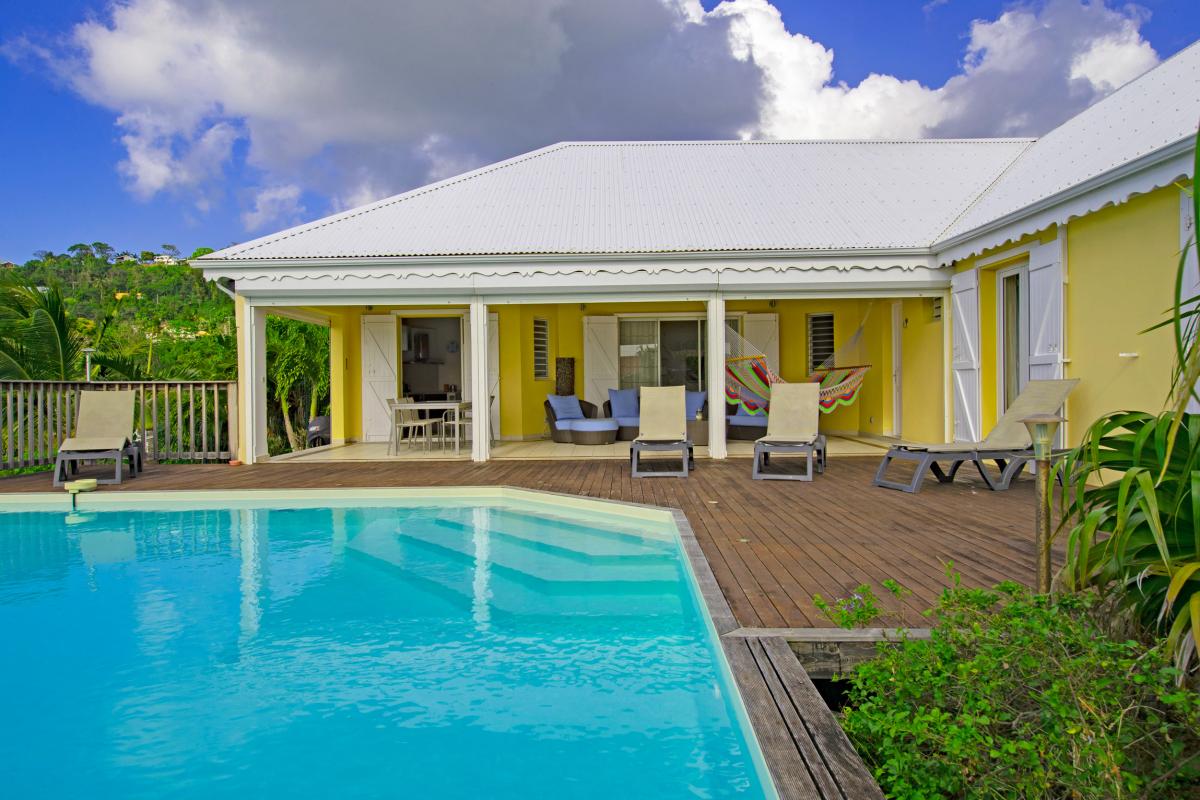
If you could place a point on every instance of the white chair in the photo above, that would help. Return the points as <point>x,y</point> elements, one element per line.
<point>407,420</point>
<point>463,425</point>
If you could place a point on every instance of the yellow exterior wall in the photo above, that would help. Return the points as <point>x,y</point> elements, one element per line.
<point>521,396</point>
<point>922,351</point>
<point>1120,275</point>
<point>1121,264</point>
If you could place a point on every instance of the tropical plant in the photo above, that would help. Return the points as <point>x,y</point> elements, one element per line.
<point>298,371</point>
<point>39,338</point>
<point>1023,696</point>
<point>1132,512</point>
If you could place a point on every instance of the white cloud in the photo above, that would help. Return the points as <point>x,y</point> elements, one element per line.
<point>274,204</point>
<point>800,99</point>
<point>1023,73</point>
<point>305,97</point>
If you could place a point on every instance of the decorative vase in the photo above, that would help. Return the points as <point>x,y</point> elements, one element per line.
<point>564,376</point>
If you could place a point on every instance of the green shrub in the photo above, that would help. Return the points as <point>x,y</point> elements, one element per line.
<point>1023,696</point>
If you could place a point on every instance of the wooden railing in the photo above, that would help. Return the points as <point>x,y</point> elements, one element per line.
<point>175,420</point>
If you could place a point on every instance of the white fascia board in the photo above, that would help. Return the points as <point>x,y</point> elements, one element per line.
<point>1154,171</point>
<point>329,280</point>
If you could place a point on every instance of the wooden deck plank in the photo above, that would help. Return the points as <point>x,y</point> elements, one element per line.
<point>788,770</point>
<point>823,537</point>
<point>839,757</point>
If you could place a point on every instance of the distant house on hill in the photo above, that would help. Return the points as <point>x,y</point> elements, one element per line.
<point>7,265</point>
<point>126,258</point>
<point>164,259</point>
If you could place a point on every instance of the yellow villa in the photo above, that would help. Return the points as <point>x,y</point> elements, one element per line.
<point>956,270</point>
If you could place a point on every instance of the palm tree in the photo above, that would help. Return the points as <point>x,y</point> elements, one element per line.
<point>39,339</point>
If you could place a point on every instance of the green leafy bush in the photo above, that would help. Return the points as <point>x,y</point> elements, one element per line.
<point>1024,696</point>
<point>859,609</point>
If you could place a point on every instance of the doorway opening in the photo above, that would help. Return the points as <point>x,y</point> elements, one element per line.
<point>1013,334</point>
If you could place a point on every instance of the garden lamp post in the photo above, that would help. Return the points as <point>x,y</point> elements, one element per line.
<point>87,363</point>
<point>1042,428</point>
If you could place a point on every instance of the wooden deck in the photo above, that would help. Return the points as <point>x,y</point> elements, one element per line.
<point>772,544</point>
<point>809,754</point>
<point>767,546</point>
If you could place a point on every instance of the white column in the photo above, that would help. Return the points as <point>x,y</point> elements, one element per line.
<point>480,391</point>
<point>716,377</point>
<point>255,409</point>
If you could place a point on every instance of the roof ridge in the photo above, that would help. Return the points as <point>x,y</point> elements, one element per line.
<point>984,192</point>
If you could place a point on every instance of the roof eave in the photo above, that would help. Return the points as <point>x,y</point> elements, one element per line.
<point>562,258</point>
<point>1154,158</point>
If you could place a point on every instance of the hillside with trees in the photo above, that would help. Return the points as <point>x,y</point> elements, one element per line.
<point>149,316</point>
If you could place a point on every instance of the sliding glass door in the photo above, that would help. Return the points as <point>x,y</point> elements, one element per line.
<point>663,352</point>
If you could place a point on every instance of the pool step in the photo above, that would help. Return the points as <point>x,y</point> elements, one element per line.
<point>581,548</point>
<point>508,591</point>
<point>540,564</point>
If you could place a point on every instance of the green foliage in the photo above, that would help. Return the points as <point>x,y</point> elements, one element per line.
<point>39,340</point>
<point>298,373</point>
<point>861,608</point>
<point>1020,696</point>
<point>149,322</point>
<point>1135,537</point>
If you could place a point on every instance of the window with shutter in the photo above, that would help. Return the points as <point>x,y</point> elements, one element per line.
<point>820,340</point>
<point>541,349</point>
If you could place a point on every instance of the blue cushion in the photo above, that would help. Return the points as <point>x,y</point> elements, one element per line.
<point>624,402</point>
<point>565,424</point>
<point>628,422</point>
<point>565,406</point>
<point>693,401</point>
<point>748,421</point>
<point>593,425</point>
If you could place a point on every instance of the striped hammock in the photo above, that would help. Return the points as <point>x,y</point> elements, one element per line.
<point>748,382</point>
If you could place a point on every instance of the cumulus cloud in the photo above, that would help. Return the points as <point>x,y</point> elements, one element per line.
<point>273,204</point>
<point>351,103</point>
<point>1022,74</point>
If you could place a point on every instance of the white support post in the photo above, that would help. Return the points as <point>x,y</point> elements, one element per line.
<point>716,377</point>
<point>480,390</point>
<point>255,408</point>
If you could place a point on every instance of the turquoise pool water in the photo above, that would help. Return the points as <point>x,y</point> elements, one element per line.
<point>449,650</point>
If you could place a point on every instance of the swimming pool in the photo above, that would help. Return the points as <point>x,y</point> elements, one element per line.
<point>382,644</point>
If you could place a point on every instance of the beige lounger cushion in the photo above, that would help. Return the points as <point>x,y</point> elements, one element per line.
<point>794,414</point>
<point>105,422</point>
<point>1038,397</point>
<point>663,414</point>
<point>90,444</point>
<point>1010,434</point>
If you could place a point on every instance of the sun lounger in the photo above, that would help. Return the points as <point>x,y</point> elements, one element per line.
<point>662,427</point>
<point>103,430</point>
<point>1008,443</point>
<point>791,429</point>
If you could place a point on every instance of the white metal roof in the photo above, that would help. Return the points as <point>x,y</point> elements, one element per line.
<point>1154,111</point>
<point>660,197</point>
<point>610,198</point>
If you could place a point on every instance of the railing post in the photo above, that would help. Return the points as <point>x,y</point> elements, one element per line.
<point>231,418</point>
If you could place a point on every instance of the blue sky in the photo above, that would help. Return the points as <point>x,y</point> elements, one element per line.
<point>243,161</point>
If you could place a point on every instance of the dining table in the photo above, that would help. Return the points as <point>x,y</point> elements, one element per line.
<point>457,406</point>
